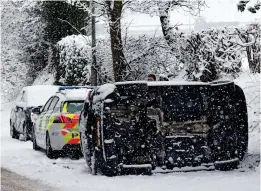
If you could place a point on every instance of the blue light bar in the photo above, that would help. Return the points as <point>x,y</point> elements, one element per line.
<point>74,87</point>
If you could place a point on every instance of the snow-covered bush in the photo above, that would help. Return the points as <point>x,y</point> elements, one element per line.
<point>250,39</point>
<point>207,55</point>
<point>210,54</point>
<point>74,61</point>
<point>149,55</point>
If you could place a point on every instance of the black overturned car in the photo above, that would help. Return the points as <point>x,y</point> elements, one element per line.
<point>135,127</point>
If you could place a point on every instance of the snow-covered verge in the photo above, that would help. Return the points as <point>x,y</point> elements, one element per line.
<point>70,174</point>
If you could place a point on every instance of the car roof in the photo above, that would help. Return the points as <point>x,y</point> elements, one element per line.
<point>174,83</point>
<point>74,94</point>
<point>39,94</point>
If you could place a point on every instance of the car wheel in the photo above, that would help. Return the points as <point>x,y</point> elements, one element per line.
<point>49,151</point>
<point>13,132</point>
<point>225,152</point>
<point>227,165</point>
<point>93,164</point>
<point>35,146</point>
<point>91,158</point>
<point>25,132</point>
<point>82,145</point>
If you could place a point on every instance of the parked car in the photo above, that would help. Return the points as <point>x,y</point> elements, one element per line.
<point>138,126</point>
<point>28,98</point>
<point>56,129</point>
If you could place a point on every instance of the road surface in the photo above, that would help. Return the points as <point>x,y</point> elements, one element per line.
<point>11,181</point>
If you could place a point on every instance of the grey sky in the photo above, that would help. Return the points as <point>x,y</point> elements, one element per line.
<point>217,10</point>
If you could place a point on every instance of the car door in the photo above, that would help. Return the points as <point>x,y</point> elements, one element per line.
<point>48,114</point>
<point>40,124</point>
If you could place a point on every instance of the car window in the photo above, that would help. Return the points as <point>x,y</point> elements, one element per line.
<point>46,106</point>
<point>53,103</point>
<point>57,107</point>
<point>73,106</point>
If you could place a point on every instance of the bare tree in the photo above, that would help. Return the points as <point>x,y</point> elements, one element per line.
<point>162,8</point>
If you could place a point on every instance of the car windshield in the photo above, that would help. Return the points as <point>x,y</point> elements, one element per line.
<point>73,106</point>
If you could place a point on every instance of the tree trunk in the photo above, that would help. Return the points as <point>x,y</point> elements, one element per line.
<point>253,59</point>
<point>165,25</point>
<point>119,64</point>
<point>94,67</point>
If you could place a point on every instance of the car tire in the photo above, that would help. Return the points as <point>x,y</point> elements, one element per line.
<point>13,132</point>
<point>25,132</point>
<point>226,165</point>
<point>93,164</point>
<point>35,146</point>
<point>91,161</point>
<point>225,153</point>
<point>49,151</point>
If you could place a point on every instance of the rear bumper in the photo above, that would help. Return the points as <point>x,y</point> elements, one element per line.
<point>71,148</point>
<point>63,139</point>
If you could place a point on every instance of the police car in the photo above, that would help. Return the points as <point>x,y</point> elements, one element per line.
<point>56,129</point>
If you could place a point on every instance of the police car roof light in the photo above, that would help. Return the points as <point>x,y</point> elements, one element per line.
<point>73,87</point>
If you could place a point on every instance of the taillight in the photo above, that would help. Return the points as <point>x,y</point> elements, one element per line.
<point>62,119</point>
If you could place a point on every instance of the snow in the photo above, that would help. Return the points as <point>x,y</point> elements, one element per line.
<point>66,174</point>
<point>76,94</point>
<point>81,41</point>
<point>104,91</point>
<point>137,166</point>
<point>39,94</point>
<point>227,161</point>
<point>176,82</point>
<point>162,83</point>
<point>108,141</point>
<point>45,78</point>
<point>130,82</point>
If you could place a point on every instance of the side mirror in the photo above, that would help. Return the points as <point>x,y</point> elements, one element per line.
<point>36,110</point>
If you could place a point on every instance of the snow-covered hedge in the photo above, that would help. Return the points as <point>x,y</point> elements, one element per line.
<point>204,56</point>
<point>74,61</point>
<point>211,54</point>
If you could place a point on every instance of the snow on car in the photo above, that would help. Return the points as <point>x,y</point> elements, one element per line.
<point>29,97</point>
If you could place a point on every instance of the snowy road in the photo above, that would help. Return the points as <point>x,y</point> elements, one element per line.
<point>68,174</point>
<point>11,181</point>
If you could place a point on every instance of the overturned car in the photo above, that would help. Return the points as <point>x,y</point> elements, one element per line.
<point>137,127</point>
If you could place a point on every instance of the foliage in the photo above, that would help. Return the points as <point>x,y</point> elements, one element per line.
<point>62,19</point>
<point>75,61</point>
<point>212,53</point>
<point>241,6</point>
<point>22,49</point>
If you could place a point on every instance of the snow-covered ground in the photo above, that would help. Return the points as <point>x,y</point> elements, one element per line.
<point>68,174</point>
